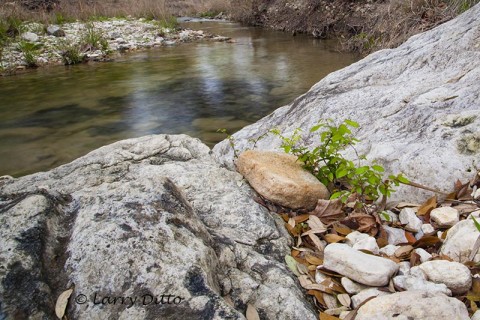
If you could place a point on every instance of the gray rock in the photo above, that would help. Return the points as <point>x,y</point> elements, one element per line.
<point>30,37</point>
<point>143,218</point>
<point>362,241</point>
<point>365,294</point>
<point>444,216</point>
<point>351,286</point>
<point>413,305</point>
<point>424,255</point>
<point>454,275</point>
<point>409,218</point>
<point>389,249</point>
<point>54,30</point>
<point>427,228</point>
<point>460,240</point>
<point>404,268</point>
<point>410,283</point>
<point>395,235</point>
<point>403,99</point>
<point>358,266</point>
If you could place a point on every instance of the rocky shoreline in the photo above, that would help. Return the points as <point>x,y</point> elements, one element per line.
<point>49,43</point>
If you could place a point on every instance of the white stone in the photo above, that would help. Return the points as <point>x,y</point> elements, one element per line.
<point>444,216</point>
<point>424,255</point>
<point>352,287</point>
<point>427,228</point>
<point>417,272</point>
<point>358,266</point>
<point>365,294</point>
<point>30,37</point>
<point>389,249</point>
<point>410,283</point>
<point>413,305</point>
<point>476,315</point>
<point>460,240</point>
<point>409,218</point>
<point>369,244</point>
<point>354,237</point>
<point>404,268</point>
<point>454,275</point>
<point>395,235</point>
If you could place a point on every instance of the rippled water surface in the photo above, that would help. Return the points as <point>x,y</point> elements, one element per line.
<point>51,116</point>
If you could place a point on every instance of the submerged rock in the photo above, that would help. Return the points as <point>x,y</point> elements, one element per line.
<point>146,218</point>
<point>404,99</point>
<point>280,178</point>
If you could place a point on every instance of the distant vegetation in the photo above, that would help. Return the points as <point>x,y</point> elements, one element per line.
<point>363,26</point>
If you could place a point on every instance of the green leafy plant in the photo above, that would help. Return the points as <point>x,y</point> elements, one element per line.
<point>71,53</point>
<point>170,23</point>
<point>94,38</point>
<point>340,175</point>
<point>30,52</point>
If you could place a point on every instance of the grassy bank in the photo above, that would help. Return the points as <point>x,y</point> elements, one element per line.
<point>362,25</point>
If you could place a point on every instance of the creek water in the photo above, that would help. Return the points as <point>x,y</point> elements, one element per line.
<point>53,115</point>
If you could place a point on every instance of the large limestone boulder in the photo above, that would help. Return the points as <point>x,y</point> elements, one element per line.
<point>417,105</point>
<point>146,218</point>
<point>279,177</point>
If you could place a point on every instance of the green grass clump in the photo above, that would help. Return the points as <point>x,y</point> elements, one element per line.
<point>30,52</point>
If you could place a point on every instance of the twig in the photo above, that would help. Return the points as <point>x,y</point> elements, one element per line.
<point>417,185</point>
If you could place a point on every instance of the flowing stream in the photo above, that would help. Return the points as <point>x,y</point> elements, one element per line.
<point>53,115</point>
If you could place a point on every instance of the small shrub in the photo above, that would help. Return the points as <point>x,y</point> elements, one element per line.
<point>71,53</point>
<point>167,23</point>
<point>30,52</point>
<point>15,26</point>
<point>94,39</point>
<point>340,175</point>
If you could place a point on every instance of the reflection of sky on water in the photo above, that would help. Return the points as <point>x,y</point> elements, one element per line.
<point>51,116</point>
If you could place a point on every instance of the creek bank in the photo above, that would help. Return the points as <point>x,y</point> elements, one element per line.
<point>52,42</point>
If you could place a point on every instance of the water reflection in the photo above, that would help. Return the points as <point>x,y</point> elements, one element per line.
<point>52,116</point>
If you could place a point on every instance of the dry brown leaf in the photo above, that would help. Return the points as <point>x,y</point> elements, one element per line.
<point>303,249</point>
<point>402,205</point>
<point>252,313</point>
<point>319,287</point>
<point>344,300</point>
<point>313,260</point>
<point>335,287</point>
<point>410,237</point>
<point>62,302</point>
<point>318,243</point>
<point>325,316</point>
<point>333,238</point>
<point>362,222</point>
<point>382,237</point>
<point>318,295</point>
<point>404,252</point>
<point>305,281</point>
<point>329,210</point>
<point>466,208</point>
<point>315,224</point>
<point>302,269</point>
<point>285,217</point>
<point>428,206</point>
<point>426,241</point>
<point>341,229</point>
<point>391,286</point>
<point>292,223</point>
<point>295,253</point>
<point>415,259</point>
<point>301,218</point>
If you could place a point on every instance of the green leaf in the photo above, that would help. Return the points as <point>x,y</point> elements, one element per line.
<point>361,170</point>
<point>341,172</point>
<point>386,216</point>
<point>477,225</point>
<point>315,128</point>
<point>378,168</point>
<point>292,264</point>
<point>336,195</point>
<point>352,123</point>
<point>403,179</point>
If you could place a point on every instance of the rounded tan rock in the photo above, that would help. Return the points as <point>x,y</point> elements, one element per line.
<point>280,178</point>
